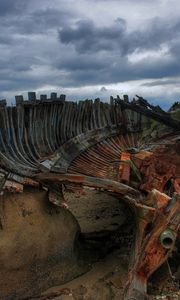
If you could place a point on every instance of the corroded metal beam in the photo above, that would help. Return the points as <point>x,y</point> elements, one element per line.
<point>131,194</point>
<point>156,216</point>
<point>152,247</point>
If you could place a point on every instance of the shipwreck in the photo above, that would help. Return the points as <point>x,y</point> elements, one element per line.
<point>129,150</point>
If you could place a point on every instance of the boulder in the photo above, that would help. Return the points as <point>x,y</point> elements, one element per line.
<point>37,245</point>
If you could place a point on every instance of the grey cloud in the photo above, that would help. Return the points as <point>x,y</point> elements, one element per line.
<point>86,37</point>
<point>12,6</point>
<point>101,53</point>
<point>103,69</point>
<point>85,63</point>
<point>45,37</point>
<point>161,82</point>
<point>16,63</point>
<point>42,20</point>
<point>36,22</point>
<point>154,35</point>
<point>5,39</point>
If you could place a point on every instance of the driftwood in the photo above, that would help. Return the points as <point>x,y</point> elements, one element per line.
<point>149,111</point>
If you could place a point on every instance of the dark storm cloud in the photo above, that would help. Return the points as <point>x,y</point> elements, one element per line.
<point>26,42</point>
<point>77,44</point>
<point>35,22</point>
<point>85,36</point>
<point>102,52</point>
<point>11,6</point>
<point>16,63</point>
<point>5,39</point>
<point>83,63</point>
<point>109,72</point>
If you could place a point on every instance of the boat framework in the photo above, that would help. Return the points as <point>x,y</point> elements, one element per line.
<point>128,148</point>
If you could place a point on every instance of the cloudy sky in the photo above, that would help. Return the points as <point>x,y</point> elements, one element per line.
<point>91,48</point>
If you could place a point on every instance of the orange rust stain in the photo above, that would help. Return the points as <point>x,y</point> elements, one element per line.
<point>176,184</point>
<point>143,154</point>
<point>124,168</point>
<point>157,172</point>
<point>30,182</point>
<point>14,187</point>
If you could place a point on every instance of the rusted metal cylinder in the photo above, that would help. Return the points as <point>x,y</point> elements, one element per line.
<point>167,239</point>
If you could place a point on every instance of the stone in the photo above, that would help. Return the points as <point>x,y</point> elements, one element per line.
<point>37,245</point>
<point>96,211</point>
